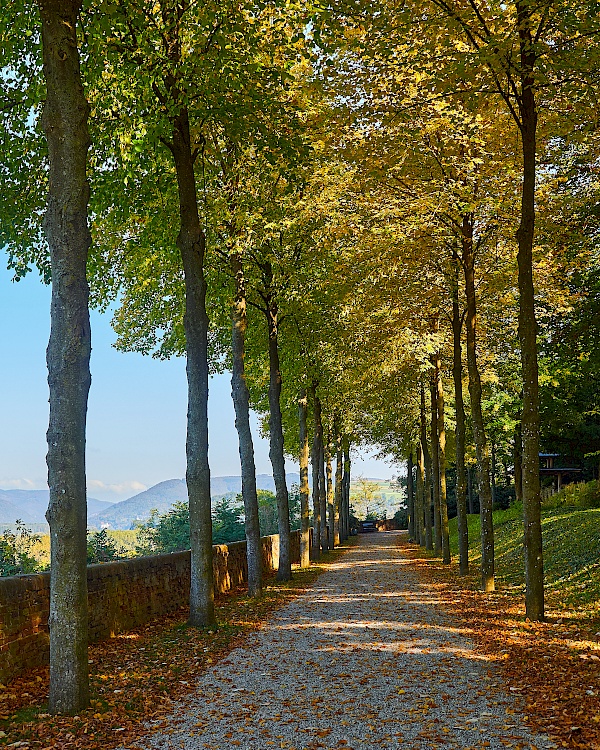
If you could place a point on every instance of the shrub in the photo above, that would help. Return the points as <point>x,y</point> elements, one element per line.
<point>582,495</point>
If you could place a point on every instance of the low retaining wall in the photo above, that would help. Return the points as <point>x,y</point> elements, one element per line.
<point>121,596</point>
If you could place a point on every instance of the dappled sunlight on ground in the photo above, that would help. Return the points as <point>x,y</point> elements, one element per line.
<point>367,658</point>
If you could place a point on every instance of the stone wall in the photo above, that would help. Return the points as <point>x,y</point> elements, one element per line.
<point>121,596</point>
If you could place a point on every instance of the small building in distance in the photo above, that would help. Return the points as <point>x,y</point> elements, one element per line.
<point>551,465</point>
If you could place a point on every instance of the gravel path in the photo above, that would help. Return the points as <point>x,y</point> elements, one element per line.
<point>365,659</point>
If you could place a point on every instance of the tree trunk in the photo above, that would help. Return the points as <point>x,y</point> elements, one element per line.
<point>191,242</point>
<point>420,496</point>
<point>518,466</point>
<point>530,419</point>
<point>65,119</point>
<point>459,407</point>
<point>304,490</point>
<point>276,449</point>
<point>446,557</point>
<point>330,498</point>
<point>347,469</point>
<point>323,495</point>
<point>241,403</point>
<point>411,497</point>
<point>435,466</point>
<point>493,472</point>
<point>337,513</point>
<point>481,446</point>
<point>470,491</point>
<point>427,484</point>
<point>316,495</point>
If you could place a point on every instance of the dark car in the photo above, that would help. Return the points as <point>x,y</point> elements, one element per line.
<point>366,527</point>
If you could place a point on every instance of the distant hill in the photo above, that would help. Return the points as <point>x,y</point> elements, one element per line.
<point>30,506</point>
<point>125,514</point>
<point>163,496</point>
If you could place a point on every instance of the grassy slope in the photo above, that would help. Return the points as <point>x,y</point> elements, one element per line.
<point>571,554</point>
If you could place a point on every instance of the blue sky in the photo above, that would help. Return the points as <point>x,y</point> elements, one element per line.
<point>137,407</point>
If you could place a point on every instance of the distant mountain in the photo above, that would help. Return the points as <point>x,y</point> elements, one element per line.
<point>124,515</point>
<point>163,496</point>
<point>30,506</point>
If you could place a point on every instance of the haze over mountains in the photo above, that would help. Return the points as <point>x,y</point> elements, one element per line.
<point>30,506</point>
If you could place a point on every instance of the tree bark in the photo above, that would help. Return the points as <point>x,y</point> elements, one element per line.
<point>241,403</point>
<point>192,244</point>
<point>446,557</point>
<point>493,470</point>
<point>470,491</point>
<point>330,498</point>
<point>427,484</point>
<point>316,495</point>
<point>435,465</point>
<point>420,496</point>
<point>276,449</point>
<point>459,407</point>
<point>530,419</point>
<point>339,460</point>
<point>411,497</point>
<point>304,490</point>
<point>347,470</point>
<point>65,121</point>
<point>323,495</point>
<point>481,445</point>
<point>518,466</point>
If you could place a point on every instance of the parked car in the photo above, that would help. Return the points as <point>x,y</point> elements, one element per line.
<point>366,527</point>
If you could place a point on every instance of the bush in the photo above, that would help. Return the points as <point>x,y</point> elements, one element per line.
<point>16,551</point>
<point>582,495</point>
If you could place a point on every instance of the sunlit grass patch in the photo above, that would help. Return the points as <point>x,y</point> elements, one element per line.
<point>571,544</point>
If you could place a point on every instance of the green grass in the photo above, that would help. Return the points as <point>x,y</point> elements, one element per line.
<point>571,544</point>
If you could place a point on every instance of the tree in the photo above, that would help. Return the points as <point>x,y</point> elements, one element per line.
<point>65,119</point>
<point>167,532</point>
<point>304,489</point>
<point>17,551</point>
<point>101,548</point>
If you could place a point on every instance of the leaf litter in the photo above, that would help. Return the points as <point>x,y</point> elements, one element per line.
<point>553,668</point>
<point>366,658</point>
